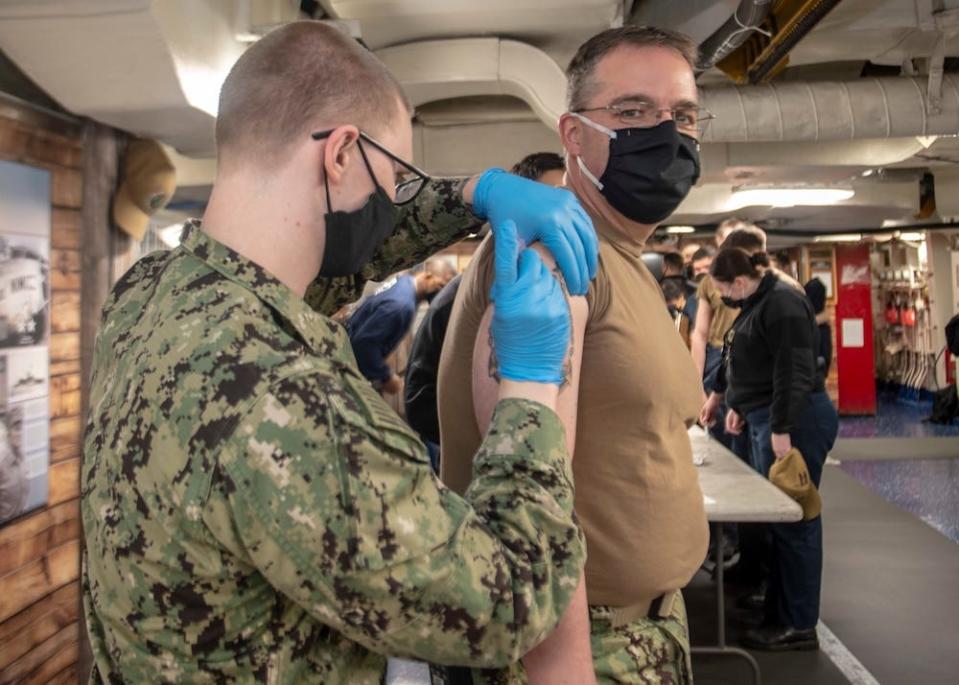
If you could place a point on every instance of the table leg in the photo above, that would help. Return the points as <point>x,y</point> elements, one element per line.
<point>721,649</point>
<point>720,592</point>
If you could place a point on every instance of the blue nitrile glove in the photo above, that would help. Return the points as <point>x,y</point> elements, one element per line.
<point>550,215</point>
<point>531,327</point>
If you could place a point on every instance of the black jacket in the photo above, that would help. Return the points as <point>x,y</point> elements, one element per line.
<point>422,367</point>
<point>770,355</point>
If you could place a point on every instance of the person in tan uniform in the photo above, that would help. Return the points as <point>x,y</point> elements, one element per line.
<point>713,317</point>
<point>631,140</point>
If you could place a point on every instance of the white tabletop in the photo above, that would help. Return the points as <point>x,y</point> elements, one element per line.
<point>732,491</point>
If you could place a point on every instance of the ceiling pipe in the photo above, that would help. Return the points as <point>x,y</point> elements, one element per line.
<point>697,19</point>
<point>784,41</point>
<point>747,18</point>
<point>819,111</point>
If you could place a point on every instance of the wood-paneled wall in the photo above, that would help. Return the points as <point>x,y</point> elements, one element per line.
<point>40,552</point>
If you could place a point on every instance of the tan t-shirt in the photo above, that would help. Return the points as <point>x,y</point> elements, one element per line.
<point>723,317</point>
<point>637,492</point>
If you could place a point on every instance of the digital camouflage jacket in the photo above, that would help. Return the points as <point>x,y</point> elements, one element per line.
<point>253,510</point>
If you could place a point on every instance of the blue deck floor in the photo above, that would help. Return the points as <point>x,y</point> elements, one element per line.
<point>927,488</point>
<point>895,419</point>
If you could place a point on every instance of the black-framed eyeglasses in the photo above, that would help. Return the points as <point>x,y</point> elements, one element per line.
<point>409,183</point>
<point>690,120</point>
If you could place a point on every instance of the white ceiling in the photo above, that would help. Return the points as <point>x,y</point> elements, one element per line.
<point>154,67</point>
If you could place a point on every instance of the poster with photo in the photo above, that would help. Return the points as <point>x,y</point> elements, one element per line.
<point>24,338</point>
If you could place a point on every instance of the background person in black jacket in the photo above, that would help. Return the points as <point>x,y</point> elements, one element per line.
<point>816,292</point>
<point>771,380</point>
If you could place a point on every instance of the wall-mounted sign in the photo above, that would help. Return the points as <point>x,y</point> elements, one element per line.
<point>24,338</point>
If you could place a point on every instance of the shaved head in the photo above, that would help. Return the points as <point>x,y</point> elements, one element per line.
<point>294,80</point>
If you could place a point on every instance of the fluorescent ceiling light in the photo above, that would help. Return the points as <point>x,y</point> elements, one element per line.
<point>787,197</point>
<point>680,229</point>
<point>170,235</point>
<point>838,238</point>
<point>912,237</point>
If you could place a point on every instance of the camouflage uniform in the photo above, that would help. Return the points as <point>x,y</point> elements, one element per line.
<point>253,511</point>
<point>436,219</point>
<point>643,652</point>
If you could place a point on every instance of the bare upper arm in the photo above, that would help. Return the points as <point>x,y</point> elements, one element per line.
<point>486,388</point>
<point>704,316</point>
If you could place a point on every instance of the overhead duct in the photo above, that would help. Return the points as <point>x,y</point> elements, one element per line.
<point>844,110</point>
<point>464,67</point>
<point>698,19</point>
<point>796,28</point>
<point>775,112</point>
<point>764,52</point>
<point>746,19</point>
<point>134,64</point>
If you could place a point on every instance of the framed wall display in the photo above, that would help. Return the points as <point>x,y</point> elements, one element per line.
<point>24,338</point>
<point>822,266</point>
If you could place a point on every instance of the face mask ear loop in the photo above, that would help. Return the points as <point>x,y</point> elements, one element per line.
<point>369,168</point>
<point>593,125</point>
<point>326,184</point>
<point>579,160</point>
<point>588,174</point>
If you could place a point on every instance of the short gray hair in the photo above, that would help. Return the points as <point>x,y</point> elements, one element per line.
<point>579,73</point>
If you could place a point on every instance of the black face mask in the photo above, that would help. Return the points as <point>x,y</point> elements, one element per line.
<point>734,302</point>
<point>698,278</point>
<point>650,170</point>
<point>352,238</point>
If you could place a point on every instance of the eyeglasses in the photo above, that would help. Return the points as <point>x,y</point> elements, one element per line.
<point>637,114</point>
<point>409,182</point>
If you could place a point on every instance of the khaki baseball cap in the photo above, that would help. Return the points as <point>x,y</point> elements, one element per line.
<point>149,181</point>
<point>791,476</point>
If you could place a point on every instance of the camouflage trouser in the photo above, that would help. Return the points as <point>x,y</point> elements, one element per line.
<point>643,652</point>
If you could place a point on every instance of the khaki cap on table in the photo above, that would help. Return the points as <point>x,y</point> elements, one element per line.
<point>790,475</point>
<point>148,183</point>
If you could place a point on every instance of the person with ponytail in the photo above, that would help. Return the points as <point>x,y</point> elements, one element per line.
<point>770,381</point>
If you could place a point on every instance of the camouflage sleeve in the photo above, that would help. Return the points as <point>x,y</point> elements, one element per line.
<point>332,499</point>
<point>436,219</point>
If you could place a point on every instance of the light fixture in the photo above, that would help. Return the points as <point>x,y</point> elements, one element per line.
<point>912,237</point>
<point>769,196</point>
<point>894,223</point>
<point>680,229</point>
<point>170,235</point>
<point>838,238</point>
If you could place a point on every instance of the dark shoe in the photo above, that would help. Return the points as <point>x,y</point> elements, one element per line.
<point>781,639</point>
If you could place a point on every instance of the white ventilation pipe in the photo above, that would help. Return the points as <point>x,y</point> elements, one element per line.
<point>845,110</point>
<point>443,69</point>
